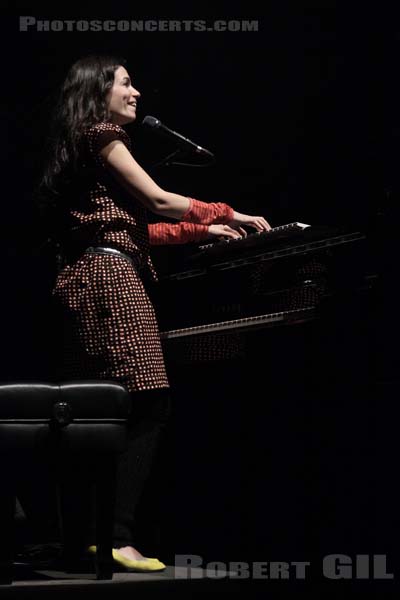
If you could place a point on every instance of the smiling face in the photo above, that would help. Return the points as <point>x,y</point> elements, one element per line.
<point>122,98</point>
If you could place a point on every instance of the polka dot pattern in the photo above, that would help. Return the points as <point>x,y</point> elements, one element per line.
<point>103,213</point>
<point>110,329</point>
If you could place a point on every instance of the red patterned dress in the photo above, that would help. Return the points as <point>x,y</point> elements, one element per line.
<point>109,326</point>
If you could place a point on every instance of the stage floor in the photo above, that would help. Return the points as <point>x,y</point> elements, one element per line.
<point>45,582</point>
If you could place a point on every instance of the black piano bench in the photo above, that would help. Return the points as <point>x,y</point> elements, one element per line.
<point>80,428</point>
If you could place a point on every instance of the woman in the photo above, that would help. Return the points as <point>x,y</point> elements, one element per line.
<point>101,196</point>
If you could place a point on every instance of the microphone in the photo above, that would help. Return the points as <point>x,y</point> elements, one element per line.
<point>179,139</point>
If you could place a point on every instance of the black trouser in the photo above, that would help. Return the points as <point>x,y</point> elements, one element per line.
<point>150,413</point>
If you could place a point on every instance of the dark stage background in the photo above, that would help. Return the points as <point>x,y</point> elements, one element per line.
<point>295,454</point>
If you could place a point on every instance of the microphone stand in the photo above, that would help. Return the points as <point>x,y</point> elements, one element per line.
<point>167,161</point>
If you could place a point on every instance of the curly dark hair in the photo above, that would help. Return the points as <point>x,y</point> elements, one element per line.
<point>81,103</point>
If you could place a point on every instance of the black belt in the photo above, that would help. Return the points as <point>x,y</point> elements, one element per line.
<point>112,252</point>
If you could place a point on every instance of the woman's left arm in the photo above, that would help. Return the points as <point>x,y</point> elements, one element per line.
<point>161,234</point>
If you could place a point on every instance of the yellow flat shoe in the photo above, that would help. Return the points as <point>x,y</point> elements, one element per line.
<point>142,565</point>
<point>93,550</point>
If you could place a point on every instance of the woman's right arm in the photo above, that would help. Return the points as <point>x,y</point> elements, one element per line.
<point>139,184</point>
<point>120,162</point>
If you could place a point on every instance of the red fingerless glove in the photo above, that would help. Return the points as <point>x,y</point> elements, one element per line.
<point>208,213</point>
<point>181,233</point>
